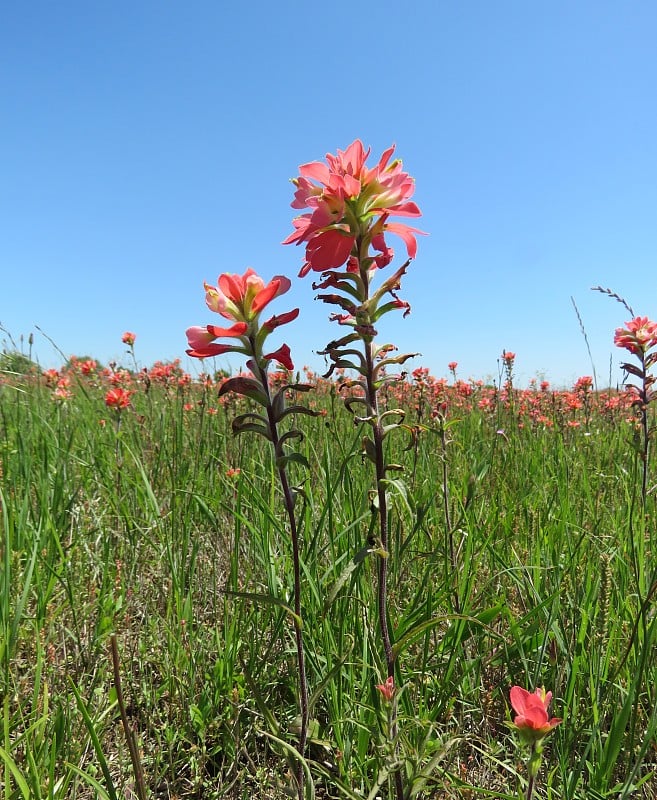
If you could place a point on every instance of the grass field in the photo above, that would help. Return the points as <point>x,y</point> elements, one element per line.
<point>522,551</point>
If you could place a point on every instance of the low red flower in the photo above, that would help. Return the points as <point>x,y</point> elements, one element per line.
<point>62,394</point>
<point>348,201</point>
<point>532,718</point>
<point>129,338</point>
<point>117,398</point>
<point>387,689</point>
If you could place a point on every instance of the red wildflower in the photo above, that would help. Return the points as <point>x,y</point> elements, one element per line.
<point>51,376</point>
<point>387,689</point>
<point>349,201</point>
<point>62,394</point>
<point>639,336</point>
<point>239,298</point>
<point>242,297</point>
<point>129,338</point>
<point>117,398</point>
<point>532,719</point>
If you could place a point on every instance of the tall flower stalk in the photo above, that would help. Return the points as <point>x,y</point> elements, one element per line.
<point>344,232</point>
<point>639,337</point>
<point>241,299</point>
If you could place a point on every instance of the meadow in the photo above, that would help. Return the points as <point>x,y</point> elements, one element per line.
<point>146,590</point>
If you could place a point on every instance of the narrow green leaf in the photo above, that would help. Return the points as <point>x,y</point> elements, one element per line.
<point>268,600</point>
<point>344,576</point>
<point>16,773</point>
<point>93,735</point>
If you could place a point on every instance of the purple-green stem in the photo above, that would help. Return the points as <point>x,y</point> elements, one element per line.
<point>382,594</point>
<point>645,430</point>
<point>138,769</point>
<point>382,589</point>
<point>533,763</point>
<point>288,498</point>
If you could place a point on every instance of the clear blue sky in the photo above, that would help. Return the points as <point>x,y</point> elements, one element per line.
<point>147,146</point>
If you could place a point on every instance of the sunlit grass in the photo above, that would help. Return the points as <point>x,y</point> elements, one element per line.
<point>155,523</point>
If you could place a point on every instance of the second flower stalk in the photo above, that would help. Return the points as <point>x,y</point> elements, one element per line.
<point>241,299</point>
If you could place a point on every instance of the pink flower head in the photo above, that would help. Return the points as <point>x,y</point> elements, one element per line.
<point>129,338</point>
<point>117,398</point>
<point>349,201</point>
<point>242,297</point>
<point>452,366</point>
<point>532,718</point>
<point>387,689</point>
<point>508,357</point>
<point>639,336</point>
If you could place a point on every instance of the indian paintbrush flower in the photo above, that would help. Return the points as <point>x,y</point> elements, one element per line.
<point>241,299</point>
<point>533,723</point>
<point>117,398</point>
<point>344,232</point>
<point>350,205</point>
<point>532,720</point>
<point>638,337</point>
<point>387,689</point>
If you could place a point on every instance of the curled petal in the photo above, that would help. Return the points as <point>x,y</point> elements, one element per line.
<point>405,210</point>
<point>238,329</point>
<point>275,288</point>
<point>406,233</point>
<point>301,227</point>
<point>280,319</point>
<point>282,356</point>
<point>211,350</point>
<point>316,171</point>
<point>383,161</point>
<point>306,190</point>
